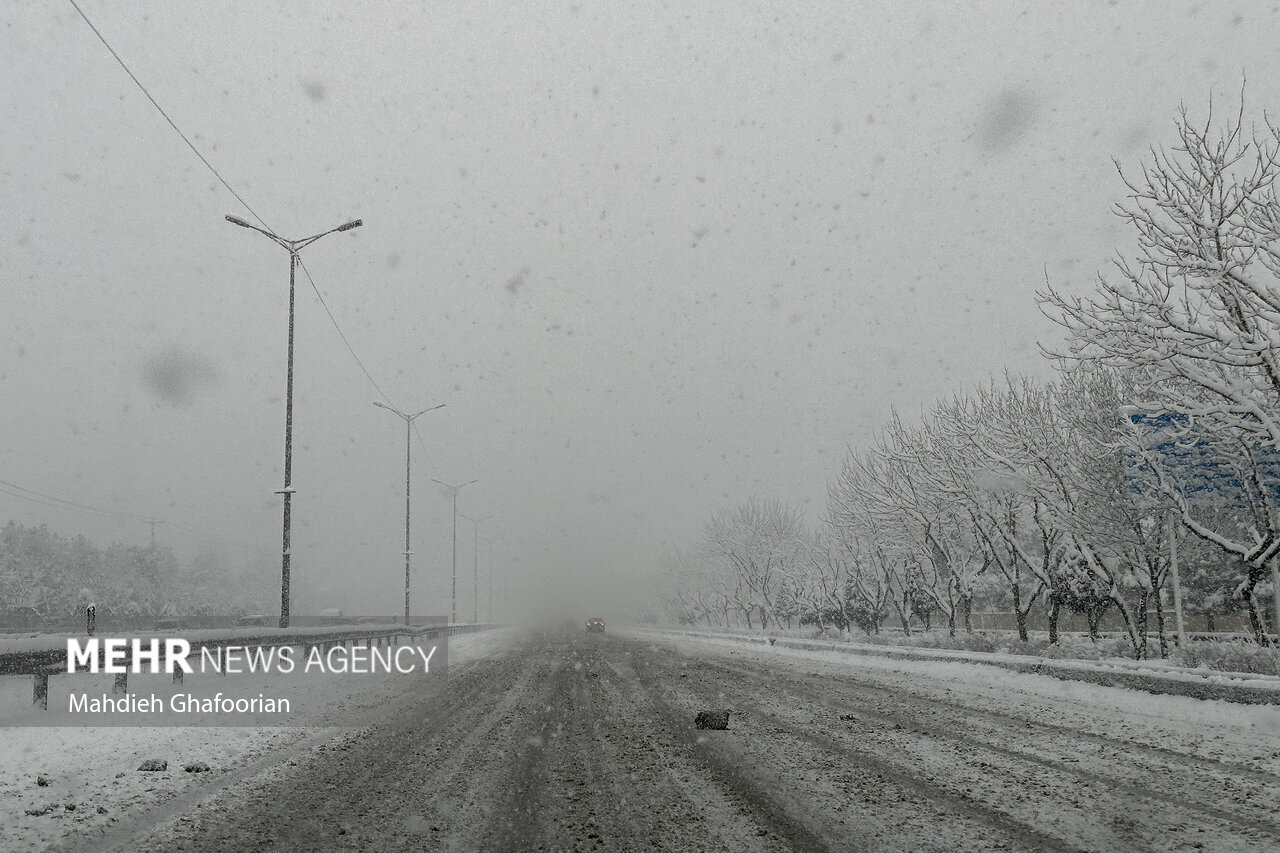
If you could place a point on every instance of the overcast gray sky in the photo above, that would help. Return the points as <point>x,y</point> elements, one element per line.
<point>656,258</point>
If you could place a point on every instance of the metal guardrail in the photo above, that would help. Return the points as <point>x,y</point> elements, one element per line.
<point>44,662</point>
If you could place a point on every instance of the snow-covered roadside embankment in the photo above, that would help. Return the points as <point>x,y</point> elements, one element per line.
<point>1150,676</point>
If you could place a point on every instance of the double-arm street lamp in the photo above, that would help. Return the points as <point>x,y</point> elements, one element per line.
<point>453,608</point>
<point>292,247</point>
<point>408,427</point>
<point>475,568</point>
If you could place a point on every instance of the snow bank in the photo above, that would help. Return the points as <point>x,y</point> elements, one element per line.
<point>1150,676</point>
<point>1251,730</point>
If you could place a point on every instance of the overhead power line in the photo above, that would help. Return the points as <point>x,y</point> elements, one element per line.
<point>13,490</point>
<point>342,334</point>
<point>171,122</point>
<point>426,454</point>
<point>231,190</point>
<point>22,493</point>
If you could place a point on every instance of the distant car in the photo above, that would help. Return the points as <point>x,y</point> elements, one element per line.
<point>595,625</point>
<point>255,619</point>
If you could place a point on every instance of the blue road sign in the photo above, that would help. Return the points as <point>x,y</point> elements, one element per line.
<point>1204,472</point>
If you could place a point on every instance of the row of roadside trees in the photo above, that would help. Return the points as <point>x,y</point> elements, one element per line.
<point>1156,447</point>
<point>47,580</point>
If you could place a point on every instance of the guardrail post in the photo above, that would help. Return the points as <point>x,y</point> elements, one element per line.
<point>40,690</point>
<point>121,684</point>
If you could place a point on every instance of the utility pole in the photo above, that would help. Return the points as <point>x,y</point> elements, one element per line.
<point>453,608</point>
<point>153,522</point>
<point>292,247</point>
<point>408,425</point>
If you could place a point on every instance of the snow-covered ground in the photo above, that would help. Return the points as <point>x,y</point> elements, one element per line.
<point>1242,732</point>
<point>568,740</point>
<point>91,775</point>
<point>1153,675</point>
<point>1097,767</point>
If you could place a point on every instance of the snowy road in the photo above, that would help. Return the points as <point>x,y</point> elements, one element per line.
<point>574,741</point>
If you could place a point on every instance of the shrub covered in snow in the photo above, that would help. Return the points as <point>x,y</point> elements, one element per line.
<point>1229,657</point>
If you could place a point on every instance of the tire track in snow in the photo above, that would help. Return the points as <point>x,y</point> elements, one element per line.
<point>882,802</point>
<point>1178,787</point>
<point>842,693</point>
<point>226,815</point>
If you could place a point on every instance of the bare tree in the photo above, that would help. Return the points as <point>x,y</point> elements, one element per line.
<point>868,525</point>
<point>1195,313</point>
<point>759,540</point>
<point>923,489</point>
<point>827,574</point>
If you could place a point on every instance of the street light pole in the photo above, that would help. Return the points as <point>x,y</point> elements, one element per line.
<point>475,567</point>
<point>408,426</point>
<point>292,247</point>
<point>453,608</point>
